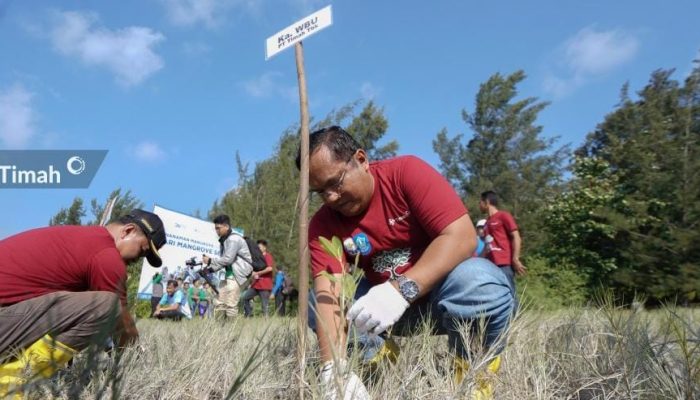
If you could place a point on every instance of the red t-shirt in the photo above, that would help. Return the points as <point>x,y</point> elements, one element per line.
<point>265,281</point>
<point>411,204</point>
<point>499,226</point>
<point>60,258</point>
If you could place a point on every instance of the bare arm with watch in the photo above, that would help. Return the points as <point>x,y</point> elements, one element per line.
<point>384,304</point>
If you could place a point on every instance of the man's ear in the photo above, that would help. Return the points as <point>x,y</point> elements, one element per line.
<point>361,156</point>
<point>127,230</point>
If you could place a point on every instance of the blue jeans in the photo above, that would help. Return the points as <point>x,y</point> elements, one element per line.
<point>475,289</point>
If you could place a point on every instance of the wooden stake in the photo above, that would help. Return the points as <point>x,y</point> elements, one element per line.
<point>303,285</point>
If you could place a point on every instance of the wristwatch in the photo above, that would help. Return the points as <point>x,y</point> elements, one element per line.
<point>408,288</point>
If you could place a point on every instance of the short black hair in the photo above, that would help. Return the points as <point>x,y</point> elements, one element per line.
<point>263,242</point>
<point>339,142</point>
<point>172,282</point>
<point>222,219</point>
<point>490,196</point>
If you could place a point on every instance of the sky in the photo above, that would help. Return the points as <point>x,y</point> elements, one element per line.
<point>174,88</point>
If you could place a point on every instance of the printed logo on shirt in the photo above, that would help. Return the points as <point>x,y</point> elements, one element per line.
<point>350,247</point>
<point>362,243</point>
<point>391,260</point>
<point>394,221</point>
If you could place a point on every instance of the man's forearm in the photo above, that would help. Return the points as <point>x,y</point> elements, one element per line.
<point>450,248</point>
<point>517,243</point>
<point>330,324</point>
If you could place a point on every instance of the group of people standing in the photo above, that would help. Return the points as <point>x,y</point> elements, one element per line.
<point>183,299</point>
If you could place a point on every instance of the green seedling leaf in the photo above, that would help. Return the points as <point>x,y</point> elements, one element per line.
<point>333,249</point>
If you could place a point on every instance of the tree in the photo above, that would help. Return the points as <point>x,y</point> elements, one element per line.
<point>368,128</point>
<point>652,145</point>
<point>579,223</point>
<point>69,216</point>
<point>125,203</point>
<point>506,152</point>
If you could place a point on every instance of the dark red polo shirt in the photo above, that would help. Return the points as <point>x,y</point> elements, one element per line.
<point>60,258</point>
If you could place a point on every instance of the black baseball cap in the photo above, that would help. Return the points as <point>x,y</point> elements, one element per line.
<point>152,227</point>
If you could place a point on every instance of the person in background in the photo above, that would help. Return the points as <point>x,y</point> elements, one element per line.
<point>203,300</point>
<point>157,291</point>
<point>192,299</point>
<point>503,242</point>
<point>480,237</point>
<point>174,304</point>
<point>261,285</point>
<point>210,297</point>
<point>277,294</point>
<point>233,253</point>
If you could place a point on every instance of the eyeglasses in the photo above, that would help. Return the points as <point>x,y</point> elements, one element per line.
<point>334,188</point>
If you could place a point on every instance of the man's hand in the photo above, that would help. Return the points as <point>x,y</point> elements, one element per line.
<point>126,329</point>
<point>380,308</point>
<point>206,260</point>
<point>338,382</point>
<point>256,275</point>
<point>518,267</point>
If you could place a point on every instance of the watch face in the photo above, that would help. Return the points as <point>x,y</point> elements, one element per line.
<point>409,289</point>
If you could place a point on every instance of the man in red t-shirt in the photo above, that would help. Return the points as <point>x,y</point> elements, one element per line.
<point>412,237</point>
<point>503,240</point>
<point>64,287</point>
<point>262,284</point>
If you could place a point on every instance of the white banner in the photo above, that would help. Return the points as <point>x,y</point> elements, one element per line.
<point>187,237</point>
<point>299,30</point>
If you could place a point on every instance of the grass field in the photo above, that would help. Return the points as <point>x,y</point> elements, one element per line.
<point>583,353</point>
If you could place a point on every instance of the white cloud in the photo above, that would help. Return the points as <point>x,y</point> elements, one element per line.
<point>17,118</point>
<point>263,86</point>
<point>149,152</point>
<point>559,87</point>
<point>210,13</point>
<point>590,53</point>
<point>268,85</point>
<point>369,91</point>
<point>126,52</point>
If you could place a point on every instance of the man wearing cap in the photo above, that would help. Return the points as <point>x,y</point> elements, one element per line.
<point>64,287</point>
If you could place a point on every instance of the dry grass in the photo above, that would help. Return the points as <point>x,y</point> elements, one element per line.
<point>605,353</point>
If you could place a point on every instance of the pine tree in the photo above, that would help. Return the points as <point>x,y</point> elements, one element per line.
<point>506,152</point>
<point>653,145</point>
<point>69,216</point>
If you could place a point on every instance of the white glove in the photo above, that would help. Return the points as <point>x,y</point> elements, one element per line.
<point>339,379</point>
<point>380,308</point>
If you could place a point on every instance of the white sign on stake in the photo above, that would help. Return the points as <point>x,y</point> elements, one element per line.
<point>299,30</point>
